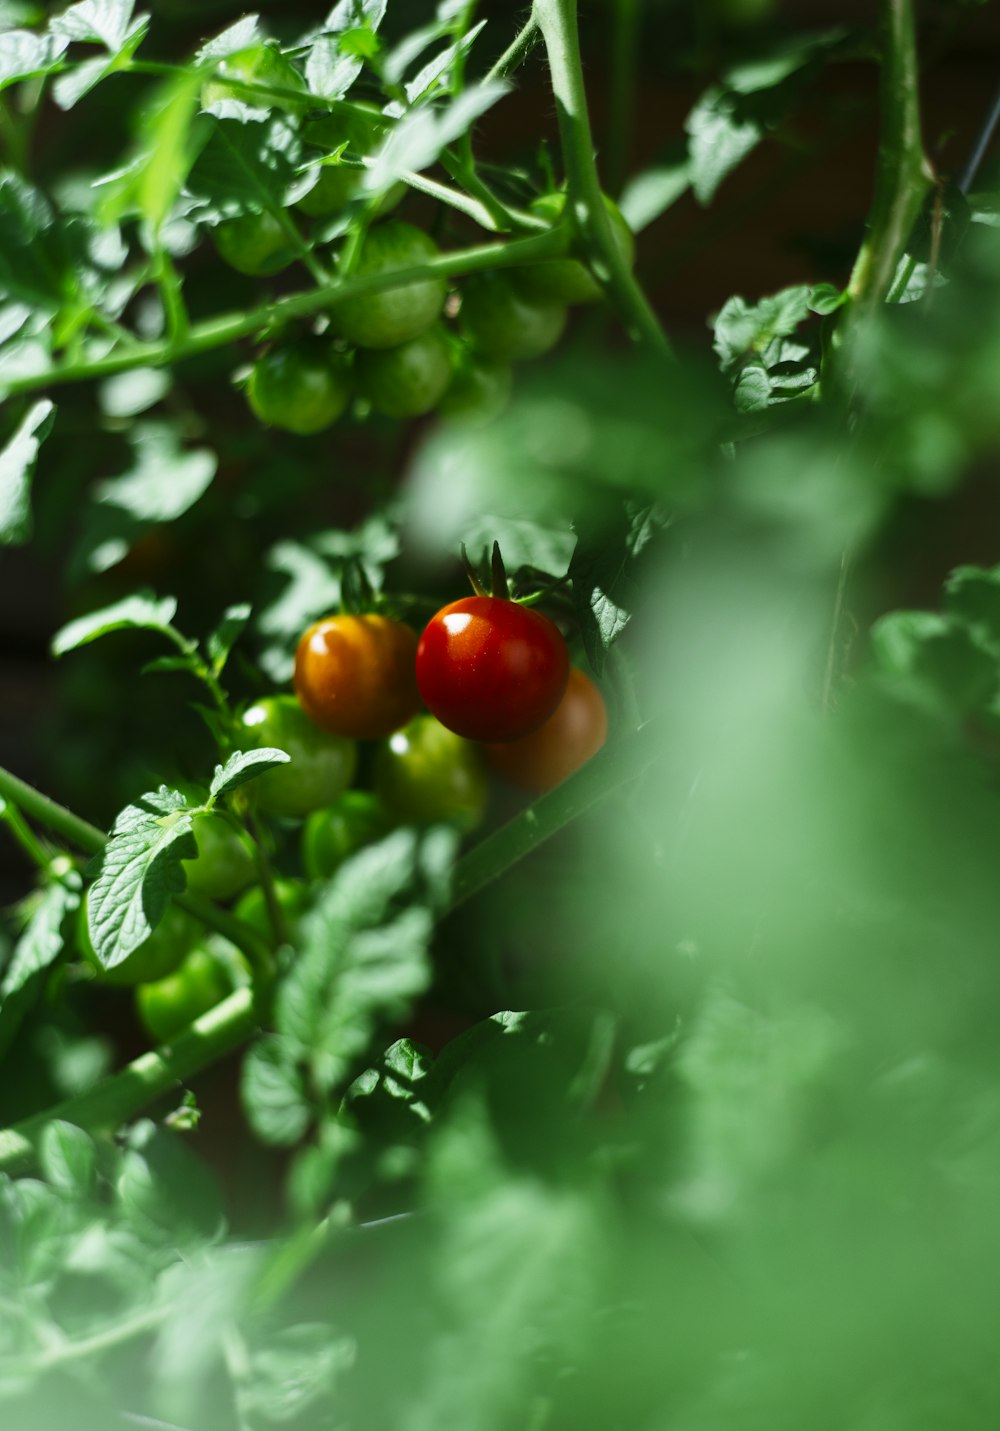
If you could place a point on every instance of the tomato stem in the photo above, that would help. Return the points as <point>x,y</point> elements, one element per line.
<point>475,581</point>
<point>500,586</point>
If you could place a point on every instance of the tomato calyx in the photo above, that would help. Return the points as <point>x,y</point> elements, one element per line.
<point>499,584</point>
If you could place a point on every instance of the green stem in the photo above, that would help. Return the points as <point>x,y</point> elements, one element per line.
<point>516,52</point>
<point>230,327</point>
<point>25,836</point>
<point>54,817</point>
<point>64,1352</point>
<point>903,175</point>
<point>171,296</point>
<point>557,22</point>
<point>613,767</point>
<point>123,1095</point>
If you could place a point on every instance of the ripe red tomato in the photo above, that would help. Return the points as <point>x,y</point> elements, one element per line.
<point>490,669</point>
<point>354,675</point>
<point>575,731</point>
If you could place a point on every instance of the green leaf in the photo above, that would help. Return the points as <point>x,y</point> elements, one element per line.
<point>71,86</point>
<point>102,22</point>
<point>935,658</point>
<point>330,69</point>
<point>826,298</point>
<point>719,139</point>
<point>17,463</point>
<point>37,264</point>
<point>741,329</point>
<point>274,1093</point>
<point>222,640</point>
<point>419,137</point>
<point>523,543</point>
<point>350,14</point>
<point>24,54</point>
<point>648,195</point>
<point>603,571</point>
<point>243,766</point>
<point>245,166</point>
<point>972,593</point>
<point>140,868</point>
<point>167,148</point>
<point>166,1191</point>
<point>422,85</point>
<point>240,36</point>
<point>127,394</point>
<point>68,1158</point>
<point>140,612</point>
<point>165,481</point>
<point>41,944</point>
<point>387,1098</point>
<point>766,71</point>
<point>294,1371</point>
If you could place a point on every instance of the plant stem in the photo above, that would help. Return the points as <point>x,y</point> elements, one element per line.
<point>557,22</point>
<point>903,175</point>
<point>116,1099</point>
<point>516,52</point>
<point>613,767</point>
<point>229,327</point>
<point>53,816</point>
<point>25,835</point>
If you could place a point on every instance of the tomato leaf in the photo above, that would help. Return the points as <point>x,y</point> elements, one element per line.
<point>274,1092</point>
<point>24,55</point>
<point>419,137</point>
<point>165,1190</point>
<point>222,640</point>
<point>244,766</point>
<point>648,195</point>
<point>142,611</point>
<point>68,1157</point>
<point>239,36</point>
<point>139,870</point>
<point>101,22</point>
<point>39,947</point>
<point>603,571</point>
<point>245,166</point>
<point>935,659</point>
<point>17,463</point>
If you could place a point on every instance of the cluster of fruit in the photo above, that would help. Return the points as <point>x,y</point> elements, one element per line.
<point>500,694</point>
<point>393,347</point>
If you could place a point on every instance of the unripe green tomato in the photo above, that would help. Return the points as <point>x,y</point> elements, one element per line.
<point>224,864</point>
<point>254,244</point>
<point>160,954</point>
<point>331,836</point>
<point>321,765</point>
<point>333,190</point>
<point>501,324</point>
<point>169,1006</point>
<point>301,387</point>
<point>479,391</point>
<point>567,280</point>
<point>293,901</point>
<point>409,380</point>
<point>257,64</point>
<point>393,315</point>
<point>425,774</point>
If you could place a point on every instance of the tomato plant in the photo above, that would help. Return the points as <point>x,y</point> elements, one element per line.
<point>490,669</point>
<point>321,765</point>
<point>302,387</point>
<point>574,732</point>
<point>646,1085</point>
<point>354,675</point>
<point>425,773</point>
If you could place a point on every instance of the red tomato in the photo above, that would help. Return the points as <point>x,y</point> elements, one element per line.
<point>575,731</point>
<point>354,675</point>
<point>490,669</point>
